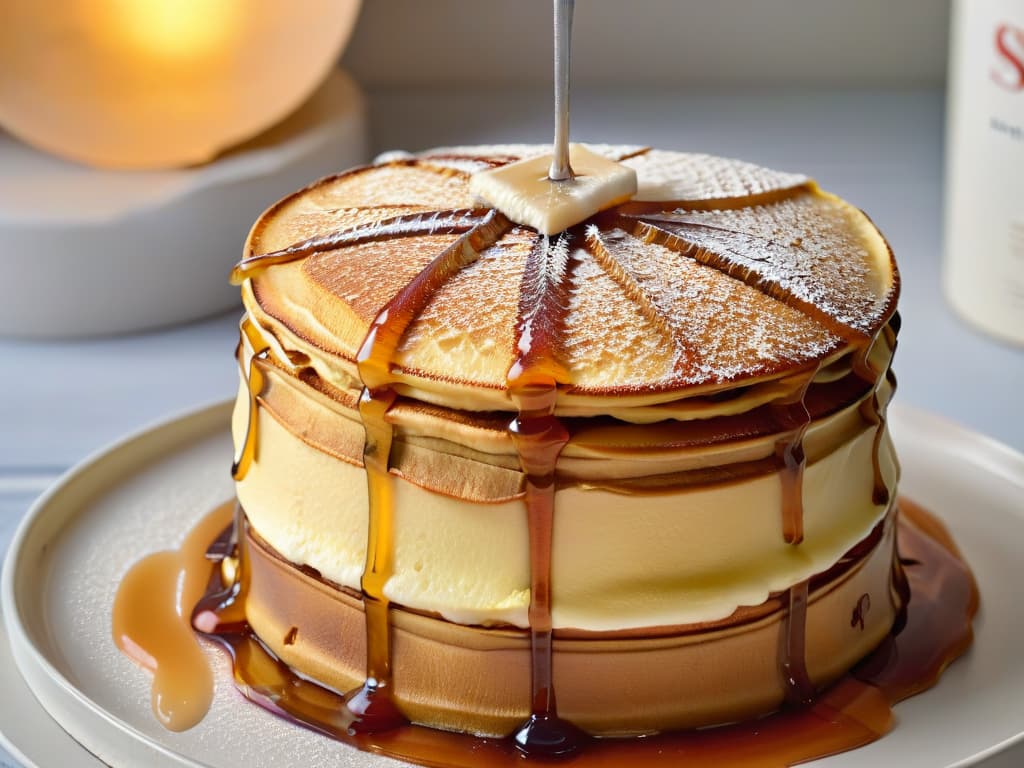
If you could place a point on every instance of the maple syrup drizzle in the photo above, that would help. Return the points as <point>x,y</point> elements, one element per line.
<point>372,704</point>
<point>800,689</point>
<point>654,223</point>
<point>939,584</point>
<point>223,611</point>
<point>793,415</point>
<point>539,437</point>
<point>151,626</point>
<point>854,711</point>
<point>872,412</point>
<point>450,222</point>
<point>792,656</point>
<point>255,382</point>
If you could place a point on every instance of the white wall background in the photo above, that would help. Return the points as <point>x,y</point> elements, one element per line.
<point>691,42</point>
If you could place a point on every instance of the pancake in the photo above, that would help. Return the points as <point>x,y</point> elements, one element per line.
<point>646,456</point>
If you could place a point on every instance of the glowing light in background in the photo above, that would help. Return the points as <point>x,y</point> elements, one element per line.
<point>160,83</point>
<point>174,28</point>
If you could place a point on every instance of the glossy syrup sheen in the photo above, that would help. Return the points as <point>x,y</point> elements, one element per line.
<point>852,712</point>
<point>151,624</point>
<point>934,630</point>
<point>533,381</point>
<point>369,707</point>
<point>539,437</point>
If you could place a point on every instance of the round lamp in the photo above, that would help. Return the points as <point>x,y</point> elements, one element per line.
<point>161,83</point>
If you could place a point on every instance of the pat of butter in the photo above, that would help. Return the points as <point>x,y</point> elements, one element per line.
<point>523,192</point>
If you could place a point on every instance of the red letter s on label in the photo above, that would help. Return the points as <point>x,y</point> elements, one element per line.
<point>1009,38</point>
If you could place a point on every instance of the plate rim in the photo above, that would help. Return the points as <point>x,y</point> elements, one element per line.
<point>27,754</point>
<point>23,649</point>
<point>986,452</point>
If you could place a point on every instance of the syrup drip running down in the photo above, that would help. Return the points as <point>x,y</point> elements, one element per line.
<point>789,453</point>
<point>539,438</point>
<point>372,704</point>
<point>792,656</point>
<point>854,711</point>
<point>790,458</point>
<point>793,414</point>
<point>255,381</point>
<point>666,225</point>
<point>254,385</point>
<point>871,410</point>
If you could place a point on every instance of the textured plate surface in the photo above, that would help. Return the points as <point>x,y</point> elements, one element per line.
<point>142,494</point>
<point>28,735</point>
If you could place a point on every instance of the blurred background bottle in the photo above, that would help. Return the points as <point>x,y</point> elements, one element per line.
<point>984,238</point>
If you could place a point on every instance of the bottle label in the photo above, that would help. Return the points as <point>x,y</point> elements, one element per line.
<point>984,271</point>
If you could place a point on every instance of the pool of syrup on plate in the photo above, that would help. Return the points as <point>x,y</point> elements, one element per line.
<point>934,629</point>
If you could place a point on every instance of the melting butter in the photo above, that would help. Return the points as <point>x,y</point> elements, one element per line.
<point>524,193</point>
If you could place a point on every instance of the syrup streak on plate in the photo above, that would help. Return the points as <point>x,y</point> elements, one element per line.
<point>81,537</point>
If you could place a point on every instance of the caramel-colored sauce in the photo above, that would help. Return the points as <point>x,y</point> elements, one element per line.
<point>792,656</point>
<point>255,382</point>
<point>371,705</point>
<point>872,412</point>
<point>854,711</point>
<point>929,633</point>
<point>453,222</point>
<point>649,219</point>
<point>224,611</point>
<point>941,588</point>
<point>151,623</point>
<point>794,415</point>
<point>539,438</point>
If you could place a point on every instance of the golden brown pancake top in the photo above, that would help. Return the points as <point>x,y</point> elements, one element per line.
<point>717,274</point>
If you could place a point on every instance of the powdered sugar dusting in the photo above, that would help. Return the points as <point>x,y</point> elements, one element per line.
<point>808,249</point>
<point>468,326</point>
<point>609,343</point>
<point>734,329</point>
<point>663,175</point>
<point>744,272</point>
<point>658,308</point>
<point>397,183</point>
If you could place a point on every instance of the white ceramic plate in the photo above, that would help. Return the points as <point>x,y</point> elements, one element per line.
<point>142,494</point>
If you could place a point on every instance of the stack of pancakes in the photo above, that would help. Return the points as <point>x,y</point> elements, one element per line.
<point>723,507</point>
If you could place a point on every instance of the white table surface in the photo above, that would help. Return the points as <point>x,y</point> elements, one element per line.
<point>882,150</point>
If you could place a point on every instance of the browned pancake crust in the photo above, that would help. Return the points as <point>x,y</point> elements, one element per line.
<point>743,274</point>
